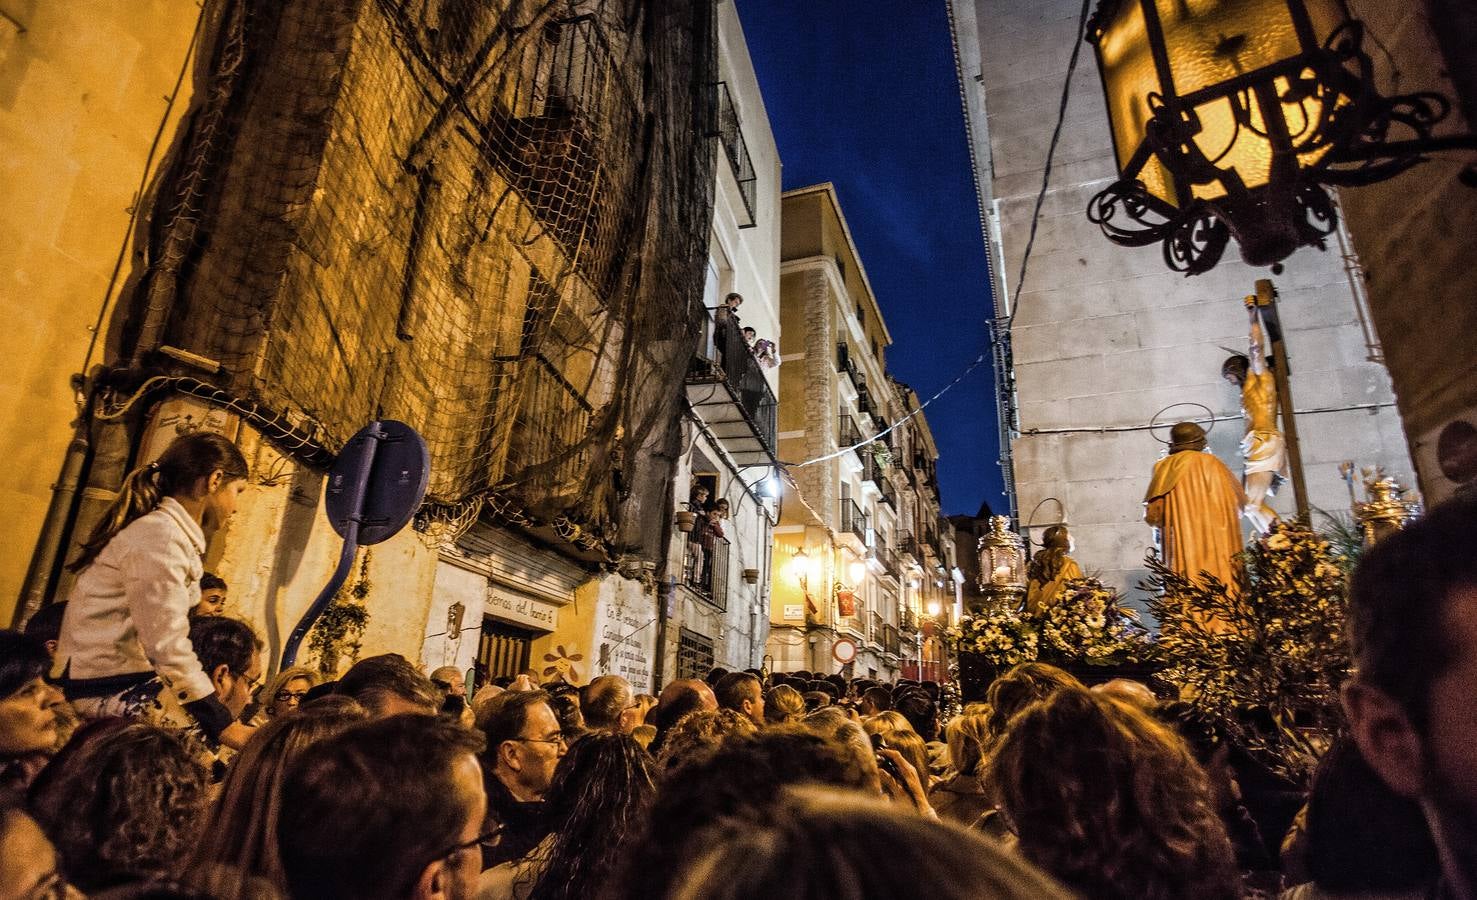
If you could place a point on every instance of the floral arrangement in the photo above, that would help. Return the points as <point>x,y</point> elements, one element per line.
<point>1089,623</point>
<point>998,636</point>
<point>1265,656</point>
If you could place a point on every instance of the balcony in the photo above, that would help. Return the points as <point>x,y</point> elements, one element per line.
<point>887,557</point>
<point>909,547</point>
<point>889,493</point>
<point>705,567</point>
<point>890,642</point>
<point>877,628</point>
<point>730,134</point>
<point>908,621</point>
<point>845,363</point>
<point>872,470</point>
<point>727,388</point>
<point>853,520</point>
<point>864,401</point>
<point>848,436</point>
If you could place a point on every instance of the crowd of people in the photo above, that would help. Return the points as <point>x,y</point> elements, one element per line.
<point>141,756</point>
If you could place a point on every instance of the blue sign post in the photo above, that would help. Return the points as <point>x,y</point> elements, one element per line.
<point>374,488</point>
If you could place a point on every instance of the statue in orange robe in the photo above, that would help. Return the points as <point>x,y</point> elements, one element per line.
<point>1196,503</point>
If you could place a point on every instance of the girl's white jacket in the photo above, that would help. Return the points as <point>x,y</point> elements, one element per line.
<point>129,610</point>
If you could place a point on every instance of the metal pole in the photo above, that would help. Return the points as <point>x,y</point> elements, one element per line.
<point>346,555</point>
<point>1266,301</point>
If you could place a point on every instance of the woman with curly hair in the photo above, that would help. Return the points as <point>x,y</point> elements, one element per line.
<point>238,847</point>
<point>697,734</point>
<point>598,800</point>
<point>1111,802</point>
<point>122,801</point>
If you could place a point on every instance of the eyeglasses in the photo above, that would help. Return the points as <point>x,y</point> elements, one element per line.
<point>291,696</point>
<point>464,846</point>
<point>556,739</point>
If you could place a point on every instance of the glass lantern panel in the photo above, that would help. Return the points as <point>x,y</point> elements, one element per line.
<point>1129,77</point>
<point>1214,41</point>
<point>1232,145</point>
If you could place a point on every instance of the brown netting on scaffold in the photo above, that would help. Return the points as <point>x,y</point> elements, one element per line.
<point>486,218</point>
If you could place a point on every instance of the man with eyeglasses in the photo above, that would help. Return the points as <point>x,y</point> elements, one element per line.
<point>389,810</point>
<point>524,744</point>
<point>231,655</point>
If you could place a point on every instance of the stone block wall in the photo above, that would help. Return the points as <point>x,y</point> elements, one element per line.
<point>1107,336</point>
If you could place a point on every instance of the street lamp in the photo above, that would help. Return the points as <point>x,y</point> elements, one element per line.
<point>1229,116</point>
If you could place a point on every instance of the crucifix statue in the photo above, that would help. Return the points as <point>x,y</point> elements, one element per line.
<point>1262,447</point>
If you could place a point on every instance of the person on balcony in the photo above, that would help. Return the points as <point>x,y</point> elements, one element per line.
<point>763,349</point>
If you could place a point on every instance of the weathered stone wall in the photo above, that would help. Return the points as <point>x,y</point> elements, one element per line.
<point>1106,336</point>
<point>86,90</point>
<point>1417,235</point>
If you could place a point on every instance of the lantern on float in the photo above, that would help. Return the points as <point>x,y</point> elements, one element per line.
<point>1002,564</point>
<point>1229,116</point>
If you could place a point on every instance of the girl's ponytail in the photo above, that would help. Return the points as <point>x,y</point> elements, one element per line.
<point>188,459</point>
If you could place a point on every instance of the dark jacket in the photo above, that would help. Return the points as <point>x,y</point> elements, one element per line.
<point>523,824</point>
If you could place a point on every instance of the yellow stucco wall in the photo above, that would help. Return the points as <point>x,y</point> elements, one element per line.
<point>84,88</point>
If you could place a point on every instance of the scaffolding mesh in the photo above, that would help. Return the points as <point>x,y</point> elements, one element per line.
<point>486,218</point>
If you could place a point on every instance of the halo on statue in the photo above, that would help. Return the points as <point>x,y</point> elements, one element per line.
<point>1157,422</point>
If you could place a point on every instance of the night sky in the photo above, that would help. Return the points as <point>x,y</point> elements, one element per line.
<point>865,96</point>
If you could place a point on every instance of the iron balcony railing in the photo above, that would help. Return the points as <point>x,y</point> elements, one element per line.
<point>706,568</point>
<point>843,356</point>
<point>722,349</point>
<point>890,641</point>
<point>853,520</point>
<point>877,626</point>
<point>848,435</point>
<point>907,621</point>
<point>872,470</point>
<point>908,545</point>
<point>731,135</point>
<point>888,558</point>
<point>889,493</point>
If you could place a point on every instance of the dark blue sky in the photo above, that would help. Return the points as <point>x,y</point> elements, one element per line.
<point>864,95</point>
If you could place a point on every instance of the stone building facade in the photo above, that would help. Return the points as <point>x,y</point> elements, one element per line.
<point>483,256</point>
<point>1106,337</point>
<point>859,550</point>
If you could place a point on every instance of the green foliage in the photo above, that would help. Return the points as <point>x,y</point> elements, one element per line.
<point>339,631</point>
<point>1266,656</point>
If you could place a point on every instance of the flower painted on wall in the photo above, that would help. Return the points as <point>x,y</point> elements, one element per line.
<point>561,665</point>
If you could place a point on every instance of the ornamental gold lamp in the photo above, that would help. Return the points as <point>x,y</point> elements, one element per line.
<point>1229,116</point>
<point>1002,565</point>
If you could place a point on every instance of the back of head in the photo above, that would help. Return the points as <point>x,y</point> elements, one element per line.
<point>715,675</point>
<point>814,700</point>
<point>967,736</point>
<point>1362,837</point>
<point>370,808</point>
<point>23,659</point>
<point>46,624</point>
<point>736,687</point>
<point>388,684</point>
<point>1398,602</point>
<point>879,697</point>
<point>836,845</point>
<point>743,779</point>
<point>911,746</point>
<point>223,641</point>
<point>921,713</point>
<point>886,723</point>
<point>1110,801</point>
<point>597,802</point>
<point>604,701</point>
<point>1022,686</point>
<point>241,833</point>
<point>700,733</point>
<point>783,704</point>
<point>122,800</point>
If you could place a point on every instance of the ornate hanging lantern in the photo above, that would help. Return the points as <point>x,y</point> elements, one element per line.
<point>1228,117</point>
<point>1002,564</point>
